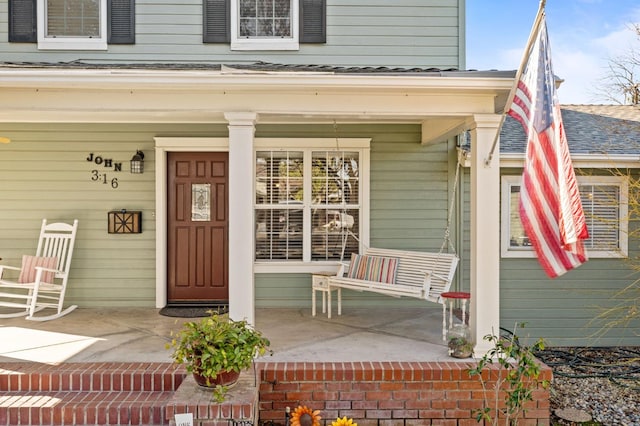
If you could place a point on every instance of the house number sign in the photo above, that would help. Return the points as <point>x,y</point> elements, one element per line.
<point>100,176</point>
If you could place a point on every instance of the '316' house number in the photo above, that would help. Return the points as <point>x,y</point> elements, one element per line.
<point>101,176</point>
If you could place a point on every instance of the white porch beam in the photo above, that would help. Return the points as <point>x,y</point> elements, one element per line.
<point>241,250</point>
<point>207,105</point>
<point>485,232</point>
<point>440,129</point>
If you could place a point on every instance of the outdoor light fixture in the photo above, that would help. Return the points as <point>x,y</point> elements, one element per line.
<point>137,163</point>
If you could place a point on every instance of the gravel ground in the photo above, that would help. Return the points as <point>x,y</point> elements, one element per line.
<point>603,382</point>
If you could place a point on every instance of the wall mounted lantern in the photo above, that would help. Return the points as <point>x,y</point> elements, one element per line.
<point>137,163</point>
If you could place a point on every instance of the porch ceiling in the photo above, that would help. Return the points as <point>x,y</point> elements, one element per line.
<point>442,104</point>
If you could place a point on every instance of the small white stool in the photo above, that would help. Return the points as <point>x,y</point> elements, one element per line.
<point>320,282</point>
<point>450,297</point>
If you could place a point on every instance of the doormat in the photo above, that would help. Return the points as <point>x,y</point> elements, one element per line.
<point>193,311</point>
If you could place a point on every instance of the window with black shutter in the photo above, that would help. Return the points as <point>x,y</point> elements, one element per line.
<point>23,23</point>
<point>122,21</point>
<point>255,21</point>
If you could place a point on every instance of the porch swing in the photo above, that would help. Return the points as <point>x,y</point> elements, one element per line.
<point>399,273</point>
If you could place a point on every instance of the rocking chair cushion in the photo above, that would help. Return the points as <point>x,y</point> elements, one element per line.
<point>373,268</point>
<point>29,263</point>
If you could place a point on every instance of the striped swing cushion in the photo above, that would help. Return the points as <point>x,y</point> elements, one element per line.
<point>373,268</point>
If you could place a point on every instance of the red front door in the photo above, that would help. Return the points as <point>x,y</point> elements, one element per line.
<point>198,228</point>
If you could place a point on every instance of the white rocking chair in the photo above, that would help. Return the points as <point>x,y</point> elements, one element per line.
<point>42,280</point>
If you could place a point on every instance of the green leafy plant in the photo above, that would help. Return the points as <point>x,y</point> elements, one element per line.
<point>459,347</point>
<point>216,345</point>
<point>517,376</point>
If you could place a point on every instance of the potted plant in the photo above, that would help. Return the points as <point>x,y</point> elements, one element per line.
<point>216,349</point>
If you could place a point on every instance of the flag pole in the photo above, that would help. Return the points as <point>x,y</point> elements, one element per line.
<point>512,92</point>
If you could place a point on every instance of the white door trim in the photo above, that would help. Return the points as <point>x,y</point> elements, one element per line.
<point>163,146</point>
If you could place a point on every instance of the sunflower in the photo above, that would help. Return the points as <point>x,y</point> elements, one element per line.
<point>304,416</point>
<point>343,422</point>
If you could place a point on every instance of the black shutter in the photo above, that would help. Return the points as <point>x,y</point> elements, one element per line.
<point>22,21</point>
<point>216,15</point>
<point>313,21</point>
<point>121,16</point>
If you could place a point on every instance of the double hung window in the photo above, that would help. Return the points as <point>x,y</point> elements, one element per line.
<point>264,24</point>
<point>309,202</point>
<point>72,24</point>
<point>604,201</point>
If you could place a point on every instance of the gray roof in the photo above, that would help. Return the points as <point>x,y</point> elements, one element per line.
<point>590,129</point>
<point>261,66</point>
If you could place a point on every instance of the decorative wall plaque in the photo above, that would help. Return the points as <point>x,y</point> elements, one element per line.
<point>124,222</point>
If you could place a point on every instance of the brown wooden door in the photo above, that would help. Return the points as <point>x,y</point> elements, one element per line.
<point>198,227</point>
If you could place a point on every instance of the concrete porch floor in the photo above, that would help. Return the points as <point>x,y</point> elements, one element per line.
<point>140,335</point>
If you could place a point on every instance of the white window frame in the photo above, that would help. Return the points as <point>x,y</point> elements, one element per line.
<point>362,146</point>
<point>70,43</point>
<point>528,252</point>
<point>291,43</point>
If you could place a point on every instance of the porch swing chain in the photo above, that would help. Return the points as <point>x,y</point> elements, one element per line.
<point>447,232</point>
<point>344,230</point>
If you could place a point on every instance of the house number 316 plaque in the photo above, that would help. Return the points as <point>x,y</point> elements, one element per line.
<point>101,176</point>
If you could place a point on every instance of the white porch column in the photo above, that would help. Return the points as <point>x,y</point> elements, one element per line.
<point>241,252</point>
<point>485,232</point>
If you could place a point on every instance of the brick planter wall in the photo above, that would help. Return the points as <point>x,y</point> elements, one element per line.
<point>385,393</point>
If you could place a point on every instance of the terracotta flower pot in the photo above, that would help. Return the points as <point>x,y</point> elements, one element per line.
<point>226,378</point>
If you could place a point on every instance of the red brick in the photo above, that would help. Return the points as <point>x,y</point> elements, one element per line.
<point>364,405</point>
<point>13,416</point>
<point>338,405</point>
<point>432,395</point>
<point>378,414</point>
<point>442,422</point>
<point>273,396</point>
<point>365,386</point>
<point>458,395</point>
<point>391,422</point>
<point>457,414</point>
<point>391,385</point>
<point>406,395</point>
<point>378,395</point>
<point>420,404</point>
<point>419,385</point>
<point>445,385</point>
<point>352,396</point>
<point>404,414</point>
<point>468,422</point>
<point>338,386</point>
<point>299,395</point>
<point>353,414</point>
<point>366,422</point>
<point>288,386</point>
<point>391,404</point>
<point>472,404</point>
<point>417,422</point>
<point>444,404</point>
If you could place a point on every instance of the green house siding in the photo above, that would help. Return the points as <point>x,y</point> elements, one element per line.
<point>403,33</point>
<point>45,174</point>
<point>560,310</point>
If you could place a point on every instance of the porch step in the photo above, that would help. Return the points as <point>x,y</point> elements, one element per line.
<point>113,394</point>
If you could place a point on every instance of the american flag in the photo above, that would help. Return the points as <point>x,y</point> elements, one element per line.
<point>550,207</point>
